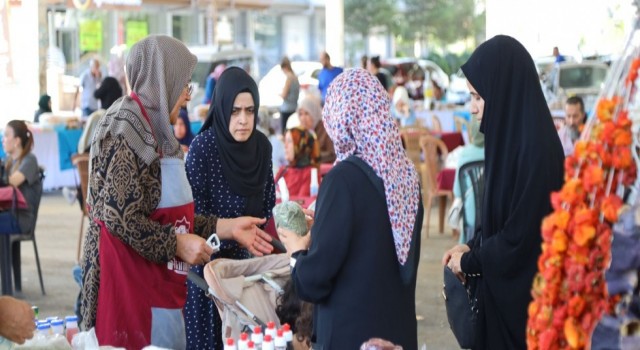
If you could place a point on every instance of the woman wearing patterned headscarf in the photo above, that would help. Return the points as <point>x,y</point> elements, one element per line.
<point>360,268</point>
<point>140,241</point>
<point>229,169</point>
<point>302,153</point>
<point>523,165</point>
<point>310,114</point>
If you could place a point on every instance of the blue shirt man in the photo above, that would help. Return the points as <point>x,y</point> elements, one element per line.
<point>327,74</point>
<point>89,81</point>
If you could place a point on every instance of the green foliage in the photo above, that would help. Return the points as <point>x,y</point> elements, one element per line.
<point>360,16</point>
<point>444,21</point>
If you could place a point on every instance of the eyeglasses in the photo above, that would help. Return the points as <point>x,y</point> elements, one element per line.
<point>189,88</point>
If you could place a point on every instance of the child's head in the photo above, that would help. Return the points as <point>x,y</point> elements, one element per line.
<point>297,313</point>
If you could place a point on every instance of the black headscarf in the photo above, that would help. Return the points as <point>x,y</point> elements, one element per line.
<point>523,165</point>
<point>43,103</point>
<point>245,165</point>
<point>108,92</point>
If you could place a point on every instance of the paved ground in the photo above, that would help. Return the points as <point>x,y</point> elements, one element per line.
<point>57,233</point>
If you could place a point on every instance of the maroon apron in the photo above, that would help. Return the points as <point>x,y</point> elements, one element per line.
<point>140,302</point>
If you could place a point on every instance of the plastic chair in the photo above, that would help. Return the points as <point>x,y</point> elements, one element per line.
<point>436,124</point>
<point>435,151</point>
<point>471,180</point>
<point>460,123</point>
<point>411,139</point>
<point>81,161</point>
<point>27,236</point>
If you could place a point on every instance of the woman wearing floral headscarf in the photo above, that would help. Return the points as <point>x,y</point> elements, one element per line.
<point>360,267</point>
<point>302,153</point>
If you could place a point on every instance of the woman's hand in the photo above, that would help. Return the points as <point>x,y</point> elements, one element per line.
<point>16,320</point>
<point>460,248</point>
<point>246,232</point>
<point>193,249</point>
<point>292,241</point>
<point>309,214</point>
<point>454,263</point>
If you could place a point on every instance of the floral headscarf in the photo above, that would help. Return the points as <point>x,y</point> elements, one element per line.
<point>357,118</point>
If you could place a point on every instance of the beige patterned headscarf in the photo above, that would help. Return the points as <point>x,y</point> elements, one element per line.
<point>158,68</point>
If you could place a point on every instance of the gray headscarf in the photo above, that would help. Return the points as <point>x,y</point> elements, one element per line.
<point>312,106</point>
<point>158,68</point>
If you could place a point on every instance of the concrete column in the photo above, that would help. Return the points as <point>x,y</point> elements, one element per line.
<point>334,29</point>
<point>43,41</point>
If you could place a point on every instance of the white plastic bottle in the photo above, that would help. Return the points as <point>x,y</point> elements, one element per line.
<point>71,323</point>
<point>280,343</point>
<point>243,341</point>
<point>271,330</point>
<point>284,190</point>
<point>229,344</point>
<point>256,337</point>
<point>251,345</point>
<point>313,187</point>
<point>57,327</point>
<point>288,334</point>
<point>43,332</point>
<point>267,343</point>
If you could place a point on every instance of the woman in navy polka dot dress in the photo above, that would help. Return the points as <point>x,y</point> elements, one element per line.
<point>230,172</point>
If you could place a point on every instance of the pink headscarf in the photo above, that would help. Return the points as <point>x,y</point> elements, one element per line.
<point>357,118</point>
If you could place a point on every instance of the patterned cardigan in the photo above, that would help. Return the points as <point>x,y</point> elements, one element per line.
<point>123,192</point>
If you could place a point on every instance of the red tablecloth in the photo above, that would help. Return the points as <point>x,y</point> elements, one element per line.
<point>451,139</point>
<point>446,178</point>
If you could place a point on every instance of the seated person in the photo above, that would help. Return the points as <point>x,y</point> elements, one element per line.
<point>302,152</point>
<point>573,123</point>
<point>472,152</point>
<point>298,314</point>
<point>44,106</point>
<point>182,129</point>
<point>310,115</point>
<point>22,169</point>
<point>401,109</point>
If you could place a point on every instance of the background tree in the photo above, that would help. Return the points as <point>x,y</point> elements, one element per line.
<point>362,16</point>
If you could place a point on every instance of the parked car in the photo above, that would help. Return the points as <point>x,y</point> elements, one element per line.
<point>458,92</point>
<point>271,85</point>
<point>568,79</point>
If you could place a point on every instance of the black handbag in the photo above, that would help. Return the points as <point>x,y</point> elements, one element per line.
<point>462,311</point>
<point>9,217</point>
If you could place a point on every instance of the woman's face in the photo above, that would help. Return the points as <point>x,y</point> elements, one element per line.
<point>242,117</point>
<point>306,121</point>
<point>185,97</point>
<point>179,129</point>
<point>477,103</point>
<point>9,141</point>
<point>289,152</point>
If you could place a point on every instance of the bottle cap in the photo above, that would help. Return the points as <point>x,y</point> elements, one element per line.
<point>267,338</point>
<point>250,345</point>
<point>244,336</point>
<point>271,325</point>
<point>279,333</point>
<point>286,327</point>
<point>229,341</point>
<point>257,329</point>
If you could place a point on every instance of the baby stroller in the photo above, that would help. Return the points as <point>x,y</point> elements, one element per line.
<point>245,291</point>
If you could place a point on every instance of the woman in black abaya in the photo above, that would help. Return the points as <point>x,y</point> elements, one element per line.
<point>523,165</point>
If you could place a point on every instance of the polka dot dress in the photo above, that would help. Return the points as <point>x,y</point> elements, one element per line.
<point>213,196</point>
